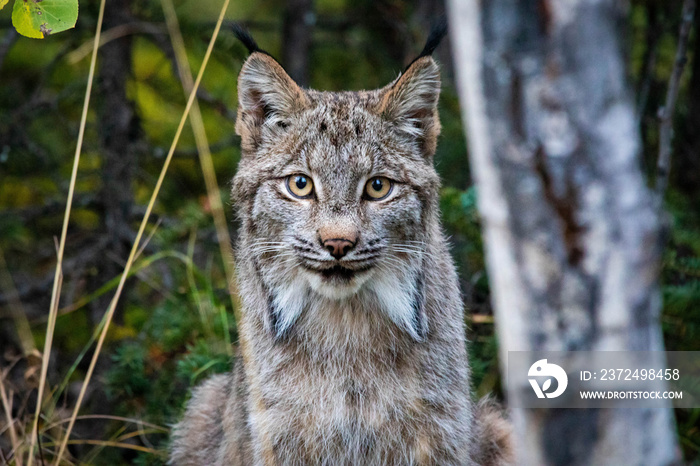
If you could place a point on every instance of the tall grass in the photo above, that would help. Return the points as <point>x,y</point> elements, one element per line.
<point>58,276</point>
<point>142,228</point>
<point>22,447</point>
<point>205,159</point>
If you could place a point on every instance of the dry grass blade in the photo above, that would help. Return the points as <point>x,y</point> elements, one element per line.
<point>108,443</point>
<point>41,450</point>
<point>206,325</point>
<point>205,158</point>
<point>142,227</point>
<point>110,417</point>
<point>210,180</point>
<point>7,407</point>
<point>56,291</point>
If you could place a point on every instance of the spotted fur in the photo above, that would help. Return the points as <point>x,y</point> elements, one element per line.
<point>356,361</point>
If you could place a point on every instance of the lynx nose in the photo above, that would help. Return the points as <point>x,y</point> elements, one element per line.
<point>338,247</point>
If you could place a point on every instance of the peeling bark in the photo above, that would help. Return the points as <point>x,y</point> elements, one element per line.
<point>571,230</point>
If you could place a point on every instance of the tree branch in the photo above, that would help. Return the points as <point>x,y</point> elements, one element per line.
<point>116,32</point>
<point>666,112</point>
<point>191,152</point>
<point>219,105</point>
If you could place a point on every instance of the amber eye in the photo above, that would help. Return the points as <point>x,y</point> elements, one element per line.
<point>300,186</point>
<point>378,188</point>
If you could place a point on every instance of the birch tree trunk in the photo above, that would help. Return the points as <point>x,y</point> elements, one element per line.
<point>571,230</point>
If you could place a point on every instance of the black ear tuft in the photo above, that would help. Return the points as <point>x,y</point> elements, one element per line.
<point>246,39</point>
<point>437,32</point>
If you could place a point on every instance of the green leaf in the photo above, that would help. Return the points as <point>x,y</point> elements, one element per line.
<point>3,3</point>
<point>39,18</point>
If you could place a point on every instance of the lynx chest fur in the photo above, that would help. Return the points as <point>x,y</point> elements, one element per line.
<point>352,343</point>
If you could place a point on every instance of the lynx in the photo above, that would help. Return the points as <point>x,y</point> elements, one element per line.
<point>352,341</point>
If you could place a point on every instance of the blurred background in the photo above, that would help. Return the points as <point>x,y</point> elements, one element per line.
<point>174,319</point>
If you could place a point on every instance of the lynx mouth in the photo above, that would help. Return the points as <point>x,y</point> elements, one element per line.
<point>338,272</point>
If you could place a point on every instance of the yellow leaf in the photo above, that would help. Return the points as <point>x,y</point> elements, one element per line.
<point>22,19</point>
<point>40,18</point>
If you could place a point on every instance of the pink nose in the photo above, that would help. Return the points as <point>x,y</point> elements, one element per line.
<point>338,247</point>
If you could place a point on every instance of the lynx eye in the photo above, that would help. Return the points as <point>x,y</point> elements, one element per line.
<point>300,186</point>
<point>378,188</point>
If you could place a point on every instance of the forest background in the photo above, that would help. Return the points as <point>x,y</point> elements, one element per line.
<point>175,319</point>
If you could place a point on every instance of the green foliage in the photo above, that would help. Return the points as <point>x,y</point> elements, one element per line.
<point>681,277</point>
<point>174,348</point>
<point>40,18</point>
<point>451,159</point>
<point>460,215</point>
<point>200,361</point>
<point>483,358</point>
<point>681,295</point>
<point>460,218</point>
<point>128,377</point>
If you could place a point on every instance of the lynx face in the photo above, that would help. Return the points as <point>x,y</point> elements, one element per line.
<point>336,190</point>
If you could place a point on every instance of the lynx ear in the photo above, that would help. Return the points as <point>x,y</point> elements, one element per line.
<point>266,96</point>
<point>411,103</point>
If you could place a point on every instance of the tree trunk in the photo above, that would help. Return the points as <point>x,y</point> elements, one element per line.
<point>570,227</point>
<point>299,19</point>
<point>119,131</point>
